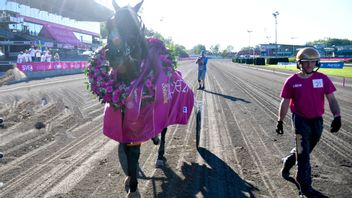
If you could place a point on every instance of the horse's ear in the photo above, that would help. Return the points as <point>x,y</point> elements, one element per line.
<point>138,6</point>
<point>116,7</point>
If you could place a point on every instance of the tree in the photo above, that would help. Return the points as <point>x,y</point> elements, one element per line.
<point>215,49</point>
<point>103,30</point>
<point>227,52</point>
<point>198,48</point>
<point>175,50</point>
<point>229,48</point>
<point>181,51</point>
<point>330,42</point>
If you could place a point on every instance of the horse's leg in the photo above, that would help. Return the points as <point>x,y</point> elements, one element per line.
<point>156,140</point>
<point>160,162</point>
<point>132,153</point>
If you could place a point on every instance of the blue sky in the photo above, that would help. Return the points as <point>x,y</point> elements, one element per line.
<point>226,22</point>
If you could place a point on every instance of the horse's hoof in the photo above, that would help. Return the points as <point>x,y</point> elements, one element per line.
<point>134,194</point>
<point>156,140</point>
<point>159,163</point>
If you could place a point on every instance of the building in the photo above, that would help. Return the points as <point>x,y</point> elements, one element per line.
<point>279,50</point>
<point>290,50</point>
<point>67,27</point>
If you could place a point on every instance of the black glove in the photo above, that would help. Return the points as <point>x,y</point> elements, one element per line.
<point>335,124</point>
<point>280,128</point>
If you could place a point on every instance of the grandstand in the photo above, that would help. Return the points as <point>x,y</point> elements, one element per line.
<point>67,27</point>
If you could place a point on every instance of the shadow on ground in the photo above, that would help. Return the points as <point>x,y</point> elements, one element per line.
<point>316,192</point>
<point>232,98</point>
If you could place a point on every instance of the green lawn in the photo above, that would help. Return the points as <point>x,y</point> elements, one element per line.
<point>345,72</point>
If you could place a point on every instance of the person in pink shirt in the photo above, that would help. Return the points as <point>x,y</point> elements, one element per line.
<point>304,94</point>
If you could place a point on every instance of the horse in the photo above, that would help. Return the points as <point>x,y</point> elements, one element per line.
<point>135,77</point>
<point>160,161</point>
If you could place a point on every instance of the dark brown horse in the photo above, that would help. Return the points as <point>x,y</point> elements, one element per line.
<point>127,48</point>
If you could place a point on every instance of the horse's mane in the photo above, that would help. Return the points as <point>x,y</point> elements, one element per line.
<point>127,45</point>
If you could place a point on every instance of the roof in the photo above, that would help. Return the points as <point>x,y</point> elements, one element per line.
<point>61,34</point>
<point>87,10</point>
<point>45,23</point>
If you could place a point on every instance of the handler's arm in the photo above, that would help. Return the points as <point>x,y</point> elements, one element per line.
<point>334,106</point>
<point>197,61</point>
<point>285,103</point>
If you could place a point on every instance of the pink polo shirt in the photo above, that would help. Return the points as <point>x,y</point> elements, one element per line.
<point>307,94</point>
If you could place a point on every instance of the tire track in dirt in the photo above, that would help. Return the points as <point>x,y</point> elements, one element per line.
<point>343,148</point>
<point>250,147</point>
<point>177,148</point>
<point>321,156</point>
<point>261,142</point>
<point>150,179</point>
<point>46,166</point>
<point>60,121</point>
<point>225,182</point>
<point>22,138</point>
<point>232,160</point>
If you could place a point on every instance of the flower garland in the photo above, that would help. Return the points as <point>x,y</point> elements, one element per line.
<point>101,77</point>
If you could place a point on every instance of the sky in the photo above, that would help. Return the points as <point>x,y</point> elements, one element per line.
<point>243,23</point>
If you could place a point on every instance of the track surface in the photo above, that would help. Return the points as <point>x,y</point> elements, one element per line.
<point>232,152</point>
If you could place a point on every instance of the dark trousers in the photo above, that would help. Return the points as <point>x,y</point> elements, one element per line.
<point>132,154</point>
<point>161,151</point>
<point>307,135</point>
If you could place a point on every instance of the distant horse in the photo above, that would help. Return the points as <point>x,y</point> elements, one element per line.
<point>143,93</point>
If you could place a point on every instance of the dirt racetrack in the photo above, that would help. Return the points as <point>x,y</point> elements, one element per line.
<point>53,144</point>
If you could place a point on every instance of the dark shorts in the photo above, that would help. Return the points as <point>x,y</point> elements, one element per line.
<point>201,74</point>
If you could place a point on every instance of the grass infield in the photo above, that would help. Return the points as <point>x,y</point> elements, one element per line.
<point>345,72</point>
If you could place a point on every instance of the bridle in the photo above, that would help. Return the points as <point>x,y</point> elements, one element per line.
<point>129,41</point>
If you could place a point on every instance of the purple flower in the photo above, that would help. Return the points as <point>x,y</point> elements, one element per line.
<point>109,89</point>
<point>107,98</point>
<point>94,88</point>
<point>163,57</point>
<point>116,96</point>
<point>148,83</point>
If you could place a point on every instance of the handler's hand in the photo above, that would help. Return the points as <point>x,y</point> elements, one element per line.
<point>335,124</point>
<point>279,128</point>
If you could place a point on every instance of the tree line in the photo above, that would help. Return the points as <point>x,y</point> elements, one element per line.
<point>181,51</point>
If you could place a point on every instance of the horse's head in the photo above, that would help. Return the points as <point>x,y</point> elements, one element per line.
<point>127,46</point>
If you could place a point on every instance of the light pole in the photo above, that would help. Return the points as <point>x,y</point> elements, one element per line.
<point>293,46</point>
<point>249,37</point>
<point>249,42</point>
<point>275,14</point>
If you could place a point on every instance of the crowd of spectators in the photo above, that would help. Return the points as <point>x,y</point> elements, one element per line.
<point>36,55</point>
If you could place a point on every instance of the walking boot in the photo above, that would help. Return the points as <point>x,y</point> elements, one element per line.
<point>308,193</point>
<point>287,164</point>
<point>134,194</point>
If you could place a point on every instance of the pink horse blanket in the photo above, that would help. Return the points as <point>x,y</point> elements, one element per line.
<point>173,104</point>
